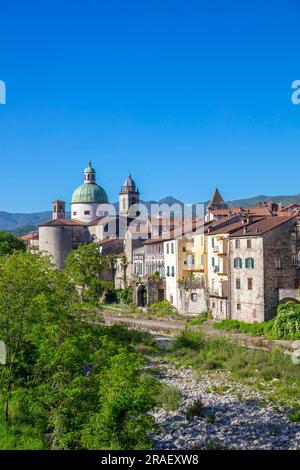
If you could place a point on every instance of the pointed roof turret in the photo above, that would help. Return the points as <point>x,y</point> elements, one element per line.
<point>217,202</point>
<point>129,185</point>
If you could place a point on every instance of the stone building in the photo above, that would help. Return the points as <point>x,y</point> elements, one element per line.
<point>248,262</point>
<point>60,236</point>
<point>31,241</point>
<point>192,267</point>
<point>266,249</point>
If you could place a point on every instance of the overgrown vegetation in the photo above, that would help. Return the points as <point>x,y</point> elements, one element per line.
<point>287,321</point>
<point>68,384</point>
<point>162,308</point>
<point>286,325</point>
<point>252,329</point>
<point>200,319</point>
<point>170,398</point>
<point>195,409</point>
<point>274,373</point>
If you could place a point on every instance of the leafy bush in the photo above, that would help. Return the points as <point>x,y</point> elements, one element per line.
<point>125,296</point>
<point>164,307</point>
<point>252,329</point>
<point>121,421</point>
<point>286,325</point>
<point>189,339</point>
<point>101,292</point>
<point>20,436</point>
<point>203,317</point>
<point>287,322</point>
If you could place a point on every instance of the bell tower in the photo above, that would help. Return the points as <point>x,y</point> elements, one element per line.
<point>58,209</point>
<point>129,196</point>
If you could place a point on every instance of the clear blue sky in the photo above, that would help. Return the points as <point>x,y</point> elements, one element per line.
<point>186,94</point>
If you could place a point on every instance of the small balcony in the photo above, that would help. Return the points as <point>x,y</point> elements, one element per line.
<point>221,291</point>
<point>223,247</point>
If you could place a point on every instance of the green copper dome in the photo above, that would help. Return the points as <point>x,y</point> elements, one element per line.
<point>90,192</point>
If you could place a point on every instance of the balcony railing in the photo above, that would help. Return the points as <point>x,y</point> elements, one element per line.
<point>221,291</point>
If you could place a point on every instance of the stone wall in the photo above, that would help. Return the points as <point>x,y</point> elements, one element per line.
<point>192,301</point>
<point>59,241</point>
<point>245,304</point>
<point>278,245</point>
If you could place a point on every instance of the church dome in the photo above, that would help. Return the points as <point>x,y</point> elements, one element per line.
<point>129,182</point>
<point>129,185</point>
<point>88,192</point>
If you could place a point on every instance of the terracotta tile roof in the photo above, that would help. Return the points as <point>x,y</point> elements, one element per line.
<point>107,241</point>
<point>63,222</point>
<point>230,225</point>
<point>95,222</point>
<point>30,236</point>
<point>184,228</point>
<point>164,237</point>
<point>263,211</point>
<point>256,226</point>
<point>263,226</point>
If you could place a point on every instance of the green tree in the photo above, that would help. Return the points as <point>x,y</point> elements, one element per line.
<point>85,267</point>
<point>24,286</point>
<point>9,244</point>
<point>124,266</point>
<point>120,420</point>
<point>67,377</point>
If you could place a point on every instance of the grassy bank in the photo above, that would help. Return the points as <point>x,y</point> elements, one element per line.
<point>272,373</point>
<point>285,326</point>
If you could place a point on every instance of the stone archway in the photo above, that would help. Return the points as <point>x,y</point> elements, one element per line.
<point>141,296</point>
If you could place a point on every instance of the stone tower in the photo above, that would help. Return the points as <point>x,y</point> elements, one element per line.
<point>129,196</point>
<point>217,202</point>
<point>58,209</point>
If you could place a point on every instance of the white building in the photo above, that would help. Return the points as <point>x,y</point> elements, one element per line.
<point>171,271</point>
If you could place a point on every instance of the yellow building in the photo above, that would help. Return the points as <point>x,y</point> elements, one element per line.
<point>192,273</point>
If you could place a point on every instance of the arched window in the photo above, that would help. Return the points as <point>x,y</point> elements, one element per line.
<point>249,263</point>
<point>237,263</point>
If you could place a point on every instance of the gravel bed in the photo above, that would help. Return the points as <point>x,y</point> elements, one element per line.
<point>234,416</point>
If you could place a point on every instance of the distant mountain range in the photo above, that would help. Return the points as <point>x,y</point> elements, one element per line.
<point>20,223</point>
<point>253,201</point>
